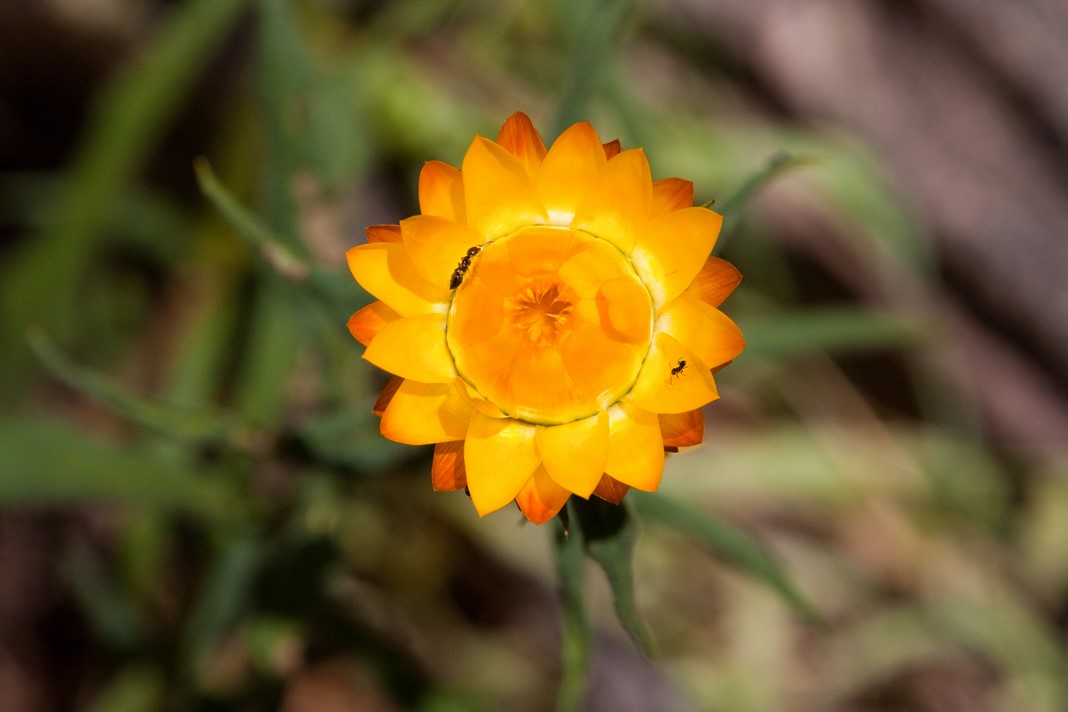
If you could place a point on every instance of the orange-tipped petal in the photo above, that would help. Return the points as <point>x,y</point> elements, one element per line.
<point>447,472</point>
<point>569,169</point>
<point>575,454</point>
<point>682,429</point>
<point>618,203</point>
<point>498,192</point>
<point>636,448</point>
<point>436,245</point>
<point>364,324</point>
<point>384,270</point>
<point>425,413</point>
<point>500,456</point>
<point>383,233</point>
<point>386,395</point>
<point>612,149</point>
<point>519,137</point>
<point>672,379</point>
<point>715,282</point>
<point>611,490</point>
<point>710,333</point>
<point>671,250</point>
<point>441,191</point>
<point>414,347</point>
<point>671,194</point>
<point>541,497</point>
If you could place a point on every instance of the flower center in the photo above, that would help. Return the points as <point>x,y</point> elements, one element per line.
<point>550,324</point>
<point>542,313</point>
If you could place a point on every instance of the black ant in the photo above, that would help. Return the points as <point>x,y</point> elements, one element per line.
<point>678,368</point>
<point>461,269</point>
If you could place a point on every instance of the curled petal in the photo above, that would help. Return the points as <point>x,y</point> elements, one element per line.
<point>441,191</point>
<point>635,447</point>
<point>715,282</point>
<point>569,169</point>
<point>414,347</point>
<point>682,429</point>
<point>386,395</point>
<point>574,454</point>
<point>519,137</point>
<point>671,251</point>
<point>384,270</point>
<point>498,192</point>
<point>364,324</point>
<point>672,379</point>
<point>541,497</point>
<point>383,233</point>
<point>425,413</point>
<point>618,203</point>
<point>447,472</point>
<point>710,333</point>
<point>671,194</point>
<point>611,489</point>
<point>436,245</point>
<point>500,456</point>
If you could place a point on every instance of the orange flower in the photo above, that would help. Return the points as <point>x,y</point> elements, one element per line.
<point>550,317</point>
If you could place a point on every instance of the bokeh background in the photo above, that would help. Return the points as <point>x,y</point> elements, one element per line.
<point>197,511</point>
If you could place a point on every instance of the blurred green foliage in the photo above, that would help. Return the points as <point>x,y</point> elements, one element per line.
<point>266,532</point>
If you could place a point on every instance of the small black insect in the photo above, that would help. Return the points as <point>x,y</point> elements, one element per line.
<point>461,269</point>
<point>678,367</point>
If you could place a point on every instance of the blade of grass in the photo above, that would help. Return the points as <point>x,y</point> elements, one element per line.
<point>791,335</point>
<point>732,207</point>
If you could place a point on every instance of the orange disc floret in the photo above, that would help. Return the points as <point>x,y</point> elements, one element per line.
<point>551,319</point>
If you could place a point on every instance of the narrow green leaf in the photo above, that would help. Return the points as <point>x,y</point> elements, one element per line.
<point>732,544</point>
<point>732,207</point>
<point>789,335</point>
<point>106,606</point>
<point>136,688</point>
<point>188,426</point>
<point>350,437</point>
<point>576,629</point>
<point>594,27</point>
<point>610,532</point>
<point>39,284</point>
<point>52,462</point>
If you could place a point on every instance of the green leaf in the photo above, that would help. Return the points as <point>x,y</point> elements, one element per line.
<point>52,462</point>
<point>789,335</point>
<point>136,688</point>
<point>732,544</point>
<point>576,629</point>
<point>609,532</point>
<point>732,207</point>
<point>39,285</point>
<point>188,426</point>
<point>350,437</point>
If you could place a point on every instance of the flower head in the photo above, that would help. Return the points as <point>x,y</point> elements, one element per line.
<point>550,317</point>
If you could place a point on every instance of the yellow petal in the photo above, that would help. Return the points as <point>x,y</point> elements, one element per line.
<point>383,233</point>
<point>447,471</point>
<point>384,270</point>
<point>669,195</point>
<point>364,324</point>
<point>541,498</point>
<point>425,413</point>
<point>519,137</point>
<point>682,429</point>
<point>671,251</point>
<point>436,246</point>
<point>414,347</point>
<point>441,191</point>
<point>672,379</point>
<point>499,456</point>
<point>569,169</point>
<point>626,305</point>
<point>498,192</point>
<point>574,454</point>
<point>618,202</point>
<point>635,447</point>
<point>715,282</point>
<point>707,331</point>
<point>611,490</point>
